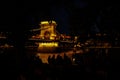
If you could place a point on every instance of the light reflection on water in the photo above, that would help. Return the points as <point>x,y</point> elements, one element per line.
<point>44,56</point>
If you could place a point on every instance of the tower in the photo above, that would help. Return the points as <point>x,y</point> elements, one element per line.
<point>48,30</point>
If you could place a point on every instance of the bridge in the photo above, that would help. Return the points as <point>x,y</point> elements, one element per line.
<point>48,30</point>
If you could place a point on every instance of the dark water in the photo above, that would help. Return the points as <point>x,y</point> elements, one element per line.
<point>92,64</point>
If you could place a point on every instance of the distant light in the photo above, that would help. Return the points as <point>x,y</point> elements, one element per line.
<point>73,59</point>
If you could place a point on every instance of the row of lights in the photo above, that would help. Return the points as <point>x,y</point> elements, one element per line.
<point>50,44</point>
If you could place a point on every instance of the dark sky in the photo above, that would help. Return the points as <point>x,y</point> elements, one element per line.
<point>72,16</point>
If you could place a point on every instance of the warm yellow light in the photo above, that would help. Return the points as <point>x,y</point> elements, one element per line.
<point>53,22</point>
<point>52,38</point>
<point>44,22</point>
<point>47,22</point>
<point>50,44</point>
<point>53,34</point>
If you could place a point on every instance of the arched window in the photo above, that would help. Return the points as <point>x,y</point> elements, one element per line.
<point>47,35</point>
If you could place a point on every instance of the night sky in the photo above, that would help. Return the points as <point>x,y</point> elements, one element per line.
<point>72,16</point>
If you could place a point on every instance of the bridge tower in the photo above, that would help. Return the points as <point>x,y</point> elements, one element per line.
<point>48,30</point>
